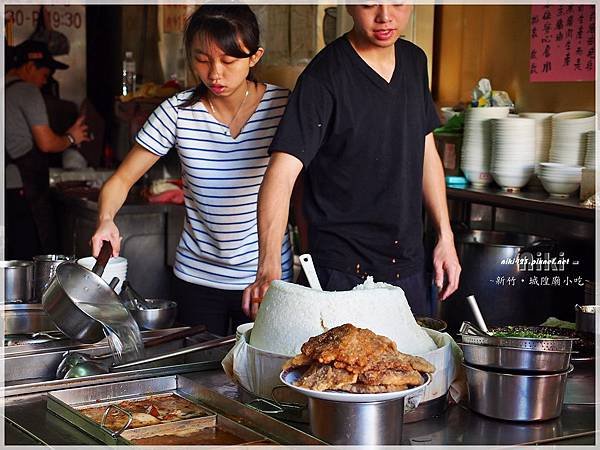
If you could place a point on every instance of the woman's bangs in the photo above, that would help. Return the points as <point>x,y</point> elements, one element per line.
<point>224,35</point>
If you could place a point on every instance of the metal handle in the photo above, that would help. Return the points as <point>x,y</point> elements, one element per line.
<point>115,434</point>
<point>310,272</point>
<point>470,329</point>
<point>255,404</point>
<point>103,257</point>
<point>184,351</point>
<point>477,313</point>
<point>113,283</point>
<point>177,335</point>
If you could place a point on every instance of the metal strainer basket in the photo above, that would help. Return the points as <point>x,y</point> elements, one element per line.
<point>558,344</point>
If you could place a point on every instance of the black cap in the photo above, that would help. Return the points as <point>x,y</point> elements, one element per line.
<point>37,52</point>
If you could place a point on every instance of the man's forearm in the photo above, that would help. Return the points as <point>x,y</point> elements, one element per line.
<point>434,190</point>
<point>273,208</point>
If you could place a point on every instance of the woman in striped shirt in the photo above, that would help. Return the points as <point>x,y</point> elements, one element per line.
<point>221,130</point>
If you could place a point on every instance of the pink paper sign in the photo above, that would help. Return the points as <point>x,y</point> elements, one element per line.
<point>562,43</point>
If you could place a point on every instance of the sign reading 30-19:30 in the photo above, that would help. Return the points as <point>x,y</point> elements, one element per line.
<point>62,18</point>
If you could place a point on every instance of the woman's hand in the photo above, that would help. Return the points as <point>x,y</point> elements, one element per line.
<point>106,231</point>
<point>253,294</point>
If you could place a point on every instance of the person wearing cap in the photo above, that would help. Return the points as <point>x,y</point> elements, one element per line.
<point>30,227</point>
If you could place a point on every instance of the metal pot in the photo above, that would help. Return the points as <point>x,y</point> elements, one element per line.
<point>585,317</point>
<point>349,423</point>
<point>488,257</point>
<point>160,314</point>
<point>505,358</point>
<point>75,296</point>
<point>26,319</point>
<point>18,281</point>
<point>512,396</point>
<point>44,268</point>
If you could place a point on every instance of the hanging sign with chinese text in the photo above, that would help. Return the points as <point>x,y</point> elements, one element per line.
<point>562,43</point>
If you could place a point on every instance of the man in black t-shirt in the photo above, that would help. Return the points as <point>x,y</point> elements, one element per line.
<point>360,123</point>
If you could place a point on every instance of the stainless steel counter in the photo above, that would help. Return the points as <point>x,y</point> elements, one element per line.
<point>28,420</point>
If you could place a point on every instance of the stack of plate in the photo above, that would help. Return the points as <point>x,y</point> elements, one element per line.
<point>590,151</point>
<point>513,151</point>
<point>569,136</point>
<point>476,145</point>
<point>559,180</point>
<point>116,267</point>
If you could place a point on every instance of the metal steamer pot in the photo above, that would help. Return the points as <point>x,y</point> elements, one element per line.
<point>585,317</point>
<point>18,281</point>
<point>75,290</point>
<point>489,260</point>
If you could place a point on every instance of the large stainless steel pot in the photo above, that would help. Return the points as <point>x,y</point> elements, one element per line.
<point>511,396</point>
<point>345,423</point>
<point>18,281</point>
<point>489,264</point>
<point>585,317</point>
<point>26,319</point>
<point>44,269</point>
<point>505,358</point>
<point>76,295</point>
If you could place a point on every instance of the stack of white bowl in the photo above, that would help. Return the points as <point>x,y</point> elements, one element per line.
<point>569,136</point>
<point>590,150</point>
<point>543,134</point>
<point>116,267</point>
<point>513,151</point>
<point>476,146</point>
<point>559,180</point>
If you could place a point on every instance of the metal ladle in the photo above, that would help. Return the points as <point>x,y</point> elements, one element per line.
<point>477,313</point>
<point>71,359</point>
<point>90,368</point>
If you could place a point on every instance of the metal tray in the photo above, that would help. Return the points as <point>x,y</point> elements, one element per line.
<point>247,423</point>
<point>68,404</point>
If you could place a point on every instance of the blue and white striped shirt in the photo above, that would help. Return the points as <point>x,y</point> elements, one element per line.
<point>221,177</point>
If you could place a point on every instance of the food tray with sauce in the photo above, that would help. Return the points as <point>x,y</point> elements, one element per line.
<point>155,411</point>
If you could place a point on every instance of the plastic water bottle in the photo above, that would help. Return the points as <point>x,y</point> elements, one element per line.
<point>128,85</point>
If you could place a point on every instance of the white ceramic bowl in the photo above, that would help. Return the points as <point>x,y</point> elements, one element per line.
<point>558,188</point>
<point>477,177</point>
<point>509,180</point>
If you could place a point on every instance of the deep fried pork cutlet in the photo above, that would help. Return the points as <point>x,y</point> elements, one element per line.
<point>348,345</point>
<point>357,360</point>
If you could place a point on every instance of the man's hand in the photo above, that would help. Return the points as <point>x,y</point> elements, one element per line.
<point>445,262</point>
<point>106,231</point>
<point>253,294</point>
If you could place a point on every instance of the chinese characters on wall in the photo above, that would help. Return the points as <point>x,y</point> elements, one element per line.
<point>562,43</point>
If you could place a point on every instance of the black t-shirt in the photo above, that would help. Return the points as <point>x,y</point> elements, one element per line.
<point>361,141</point>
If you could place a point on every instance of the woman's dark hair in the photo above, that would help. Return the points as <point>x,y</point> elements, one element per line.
<point>226,26</point>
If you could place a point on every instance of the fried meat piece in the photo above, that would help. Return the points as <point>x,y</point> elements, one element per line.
<point>297,361</point>
<point>421,364</point>
<point>390,377</point>
<point>359,388</point>
<point>347,345</point>
<point>395,360</point>
<point>323,377</point>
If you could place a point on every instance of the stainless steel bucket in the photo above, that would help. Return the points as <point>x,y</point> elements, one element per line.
<point>585,317</point>
<point>18,281</point>
<point>44,269</point>
<point>512,396</point>
<point>349,423</point>
<point>505,358</point>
